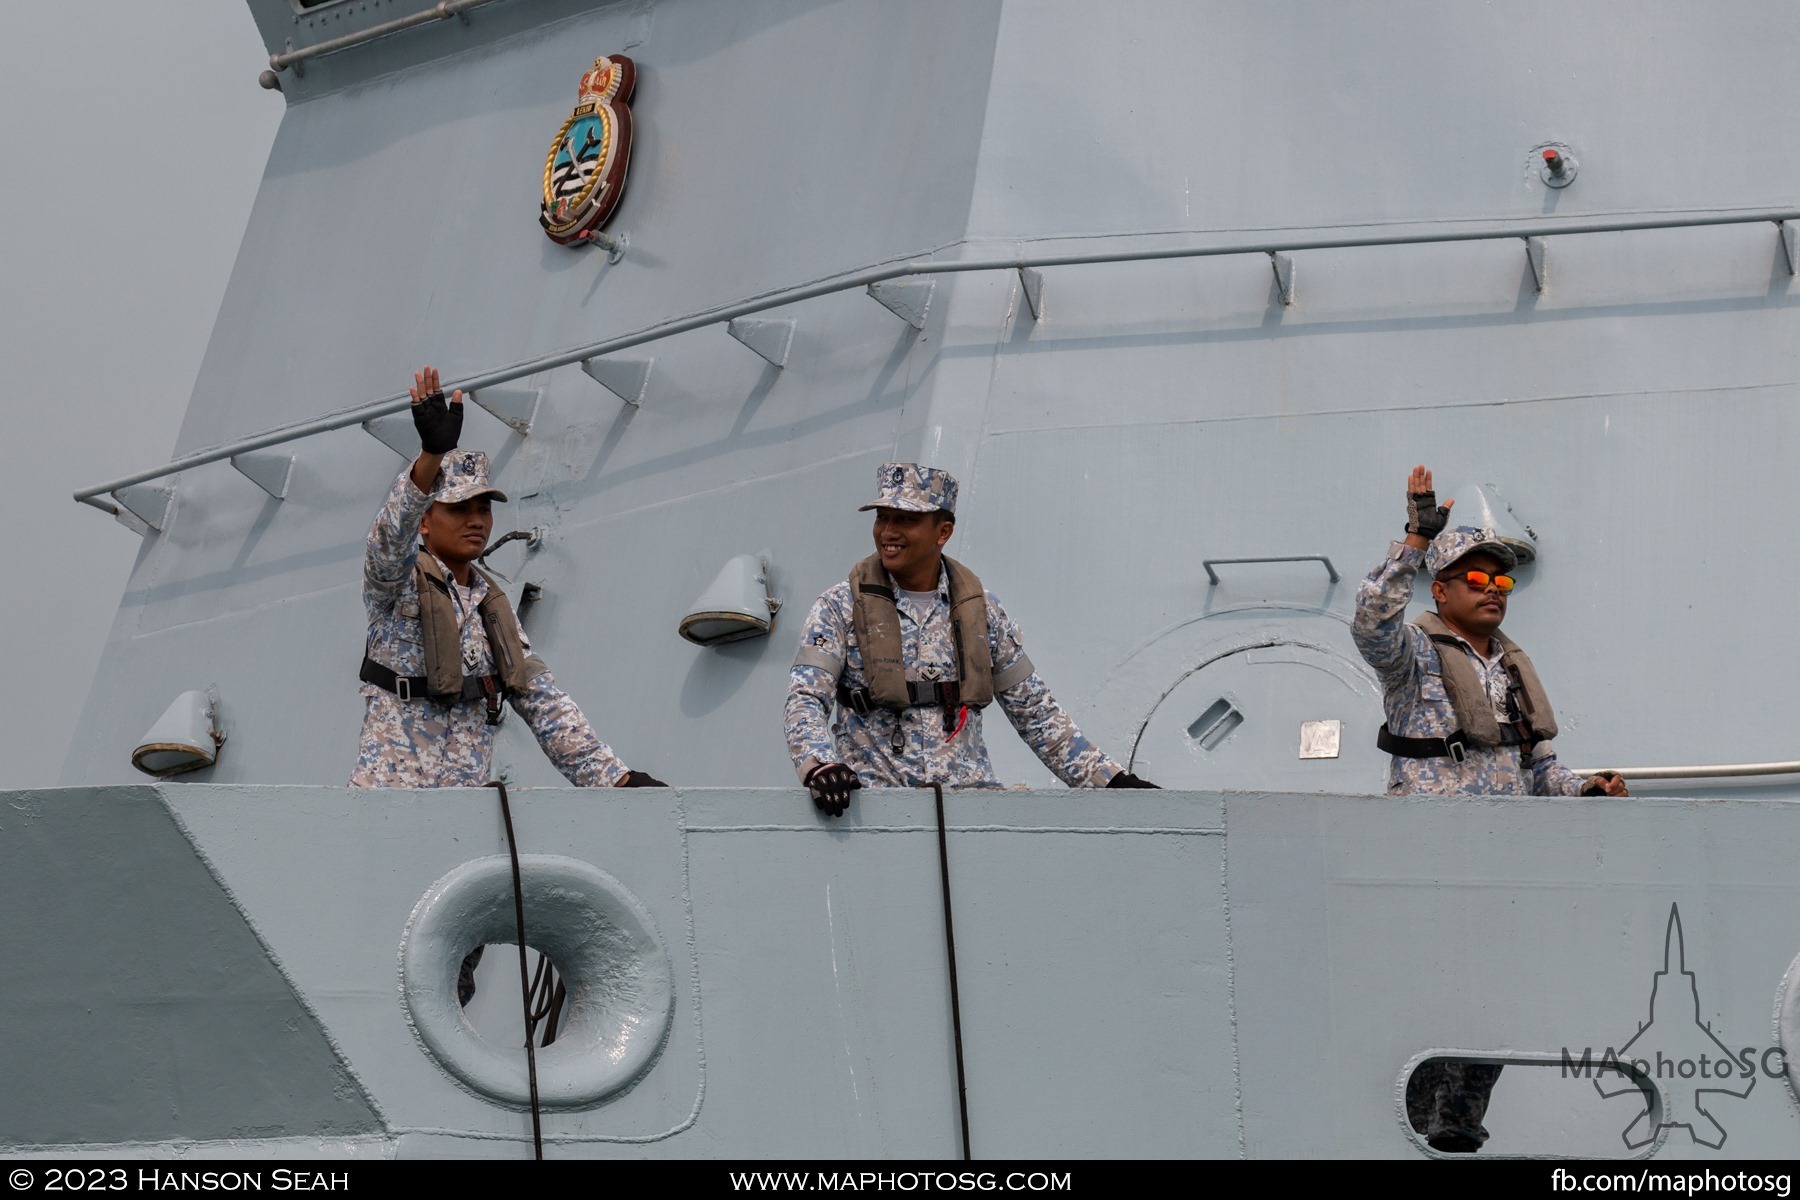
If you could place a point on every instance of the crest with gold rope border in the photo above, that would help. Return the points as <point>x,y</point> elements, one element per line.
<point>584,173</point>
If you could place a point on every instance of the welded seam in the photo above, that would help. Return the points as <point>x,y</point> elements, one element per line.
<point>1423,406</point>
<point>1237,1068</point>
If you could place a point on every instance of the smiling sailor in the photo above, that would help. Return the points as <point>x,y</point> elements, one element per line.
<point>445,648</point>
<point>911,648</point>
<point>1466,716</point>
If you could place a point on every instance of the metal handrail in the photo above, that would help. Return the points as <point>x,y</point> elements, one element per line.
<point>881,274</point>
<point>1212,576</point>
<point>438,12</point>
<point>1715,771</point>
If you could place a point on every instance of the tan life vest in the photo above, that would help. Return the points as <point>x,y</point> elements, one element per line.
<point>875,616</point>
<point>513,666</point>
<point>1474,710</point>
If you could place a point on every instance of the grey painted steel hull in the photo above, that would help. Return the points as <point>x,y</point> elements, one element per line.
<point>1190,974</point>
<point>1244,967</point>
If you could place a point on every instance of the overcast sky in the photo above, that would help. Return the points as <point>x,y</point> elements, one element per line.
<point>132,144</point>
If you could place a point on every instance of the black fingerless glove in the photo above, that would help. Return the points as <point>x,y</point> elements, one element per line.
<point>641,779</point>
<point>1125,779</point>
<point>831,785</point>
<point>439,423</point>
<point>1423,516</point>
<point>1595,785</point>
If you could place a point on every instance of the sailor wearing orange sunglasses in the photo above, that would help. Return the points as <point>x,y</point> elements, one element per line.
<point>1466,715</point>
<point>1466,712</point>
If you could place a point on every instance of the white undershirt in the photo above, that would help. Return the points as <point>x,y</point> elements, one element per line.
<point>921,600</point>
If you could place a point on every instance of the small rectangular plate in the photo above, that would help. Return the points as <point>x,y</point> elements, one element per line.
<point>1319,739</point>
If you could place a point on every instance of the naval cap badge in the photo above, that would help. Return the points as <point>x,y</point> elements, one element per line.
<point>584,173</point>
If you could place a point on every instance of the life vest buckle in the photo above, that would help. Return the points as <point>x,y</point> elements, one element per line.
<point>490,691</point>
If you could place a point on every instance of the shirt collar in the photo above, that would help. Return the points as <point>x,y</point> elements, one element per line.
<point>477,582</point>
<point>943,585</point>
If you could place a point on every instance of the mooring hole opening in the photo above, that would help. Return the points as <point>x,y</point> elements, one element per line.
<point>487,986</point>
<point>1529,1104</point>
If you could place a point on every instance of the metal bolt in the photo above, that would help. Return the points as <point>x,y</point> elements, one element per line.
<point>614,246</point>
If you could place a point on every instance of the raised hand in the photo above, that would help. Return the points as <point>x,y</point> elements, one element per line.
<point>1425,518</point>
<point>439,424</point>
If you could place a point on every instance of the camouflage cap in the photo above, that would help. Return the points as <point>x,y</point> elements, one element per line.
<point>464,476</point>
<point>1453,545</point>
<point>910,487</point>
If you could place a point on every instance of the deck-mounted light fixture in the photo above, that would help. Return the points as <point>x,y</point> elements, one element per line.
<point>1482,507</point>
<point>185,738</point>
<point>736,606</point>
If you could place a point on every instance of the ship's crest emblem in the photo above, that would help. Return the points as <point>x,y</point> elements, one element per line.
<point>584,173</point>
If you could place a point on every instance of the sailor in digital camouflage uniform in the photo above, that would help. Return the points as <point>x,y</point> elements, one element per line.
<point>1466,716</point>
<point>910,649</point>
<point>432,687</point>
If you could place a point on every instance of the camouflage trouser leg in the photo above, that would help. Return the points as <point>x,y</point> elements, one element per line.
<point>1446,1099</point>
<point>465,976</point>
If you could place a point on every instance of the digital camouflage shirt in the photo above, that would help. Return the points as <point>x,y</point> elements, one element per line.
<point>912,748</point>
<point>1418,706</point>
<point>421,743</point>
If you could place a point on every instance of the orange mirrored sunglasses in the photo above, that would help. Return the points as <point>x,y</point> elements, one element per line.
<point>1480,579</point>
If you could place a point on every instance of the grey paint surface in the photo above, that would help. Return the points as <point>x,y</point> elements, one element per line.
<point>1368,930</point>
<point>1637,413</point>
<point>145,278</point>
<point>1184,974</point>
<point>141,1005</point>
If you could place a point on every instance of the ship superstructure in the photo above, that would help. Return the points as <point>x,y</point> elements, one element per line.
<point>1179,292</point>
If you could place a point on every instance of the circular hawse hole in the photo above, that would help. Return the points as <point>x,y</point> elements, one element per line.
<point>619,988</point>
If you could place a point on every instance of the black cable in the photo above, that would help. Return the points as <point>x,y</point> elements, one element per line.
<point>501,541</point>
<point>962,1083</point>
<point>512,847</point>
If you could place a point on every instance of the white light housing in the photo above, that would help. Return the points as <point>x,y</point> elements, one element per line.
<point>1484,508</point>
<point>184,738</point>
<point>736,606</point>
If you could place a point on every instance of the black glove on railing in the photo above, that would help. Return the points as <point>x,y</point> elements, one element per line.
<point>831,785</point>
<point>439,423</point>
<point>1423,516</point>
<point>641,779</point>
<point>1125,779</point>
<point>1595,785</point>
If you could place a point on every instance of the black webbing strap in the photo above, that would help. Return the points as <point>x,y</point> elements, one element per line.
<point>920,693</point>
<point>412,687</point>
<point>1454,747</point>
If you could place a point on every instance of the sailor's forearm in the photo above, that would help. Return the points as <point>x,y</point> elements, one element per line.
<point>565,736</point>
<point>394,535</point>
<point>1046,727</point>
<point>1378,624</point>
<point>807,720</point>
<point>1549,777</point>
<point>424,471</point>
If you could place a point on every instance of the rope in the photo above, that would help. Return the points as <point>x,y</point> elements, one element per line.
<point>525,983</point>
<point>962,1083</point>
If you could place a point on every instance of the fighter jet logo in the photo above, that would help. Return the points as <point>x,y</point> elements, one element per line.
<point>1677,1046</point>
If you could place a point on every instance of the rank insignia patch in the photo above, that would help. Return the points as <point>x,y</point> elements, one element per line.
<point>584,173</point>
